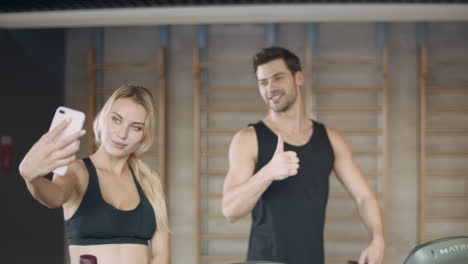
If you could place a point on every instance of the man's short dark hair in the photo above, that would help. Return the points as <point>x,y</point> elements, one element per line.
<point>272,53</point>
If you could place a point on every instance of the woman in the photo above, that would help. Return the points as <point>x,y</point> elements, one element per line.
<point>113,203</point>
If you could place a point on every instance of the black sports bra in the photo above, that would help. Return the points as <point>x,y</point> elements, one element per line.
<point>97,222</point>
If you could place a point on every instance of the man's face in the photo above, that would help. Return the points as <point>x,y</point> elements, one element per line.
<point>278,87</point>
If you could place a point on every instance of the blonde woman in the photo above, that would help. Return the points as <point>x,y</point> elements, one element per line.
<point>113,203</point>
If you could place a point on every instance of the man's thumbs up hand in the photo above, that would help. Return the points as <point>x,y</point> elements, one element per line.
<point>283,164</point>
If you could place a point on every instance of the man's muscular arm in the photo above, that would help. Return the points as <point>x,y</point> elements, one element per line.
<point>351,177</point>
<point>242,188</point>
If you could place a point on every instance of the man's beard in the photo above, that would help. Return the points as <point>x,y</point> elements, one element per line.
<point>280,109</point>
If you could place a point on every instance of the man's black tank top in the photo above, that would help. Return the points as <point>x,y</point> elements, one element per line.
<point>97,222</point>
<point>288,219</point>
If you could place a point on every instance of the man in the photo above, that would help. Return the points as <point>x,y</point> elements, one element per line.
<point>279,170</point>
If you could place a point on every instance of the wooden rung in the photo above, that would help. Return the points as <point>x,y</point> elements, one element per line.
<point>208,64</point>
<point>214,131</point>
<point>446,196</point>
<point>343,63</point>
<point>223,237</point>
<point>214,153</point>
<point>447,110</point>
<point>447,153</point>
<point>213,173</point>
<point>449,63</point>
<point>447,89</point>
<point>447,174</point>
<point>229,89</point>
<point>325,89</point>
<point>450,218</point>
<point>447,132</point>
<point>232,110</point>
<point>370,109</point>
<point>360,131</point>
<point>111,90</point>
<point>223,258</point>
<point>125,65</point>
<point>346,239</point>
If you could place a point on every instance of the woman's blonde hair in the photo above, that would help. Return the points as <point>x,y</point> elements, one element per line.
<point>148,178</point>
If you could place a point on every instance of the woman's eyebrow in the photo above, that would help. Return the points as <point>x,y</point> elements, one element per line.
<point>137,123</point>
<point>118,115</point>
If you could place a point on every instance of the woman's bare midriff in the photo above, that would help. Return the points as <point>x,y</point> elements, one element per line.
<point>112,253</point>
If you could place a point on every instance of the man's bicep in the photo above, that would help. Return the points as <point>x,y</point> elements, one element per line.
<point>343,157</point>
<point>241,159</point>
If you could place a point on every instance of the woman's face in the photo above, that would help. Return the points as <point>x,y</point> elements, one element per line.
<point>123,128</point>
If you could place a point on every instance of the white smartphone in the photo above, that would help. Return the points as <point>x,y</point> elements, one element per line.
<point>76,124</point>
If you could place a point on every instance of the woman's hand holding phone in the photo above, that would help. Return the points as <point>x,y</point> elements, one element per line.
<point>52,150</point>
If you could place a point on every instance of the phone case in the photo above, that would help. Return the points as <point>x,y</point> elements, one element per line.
<point>76,124</point>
